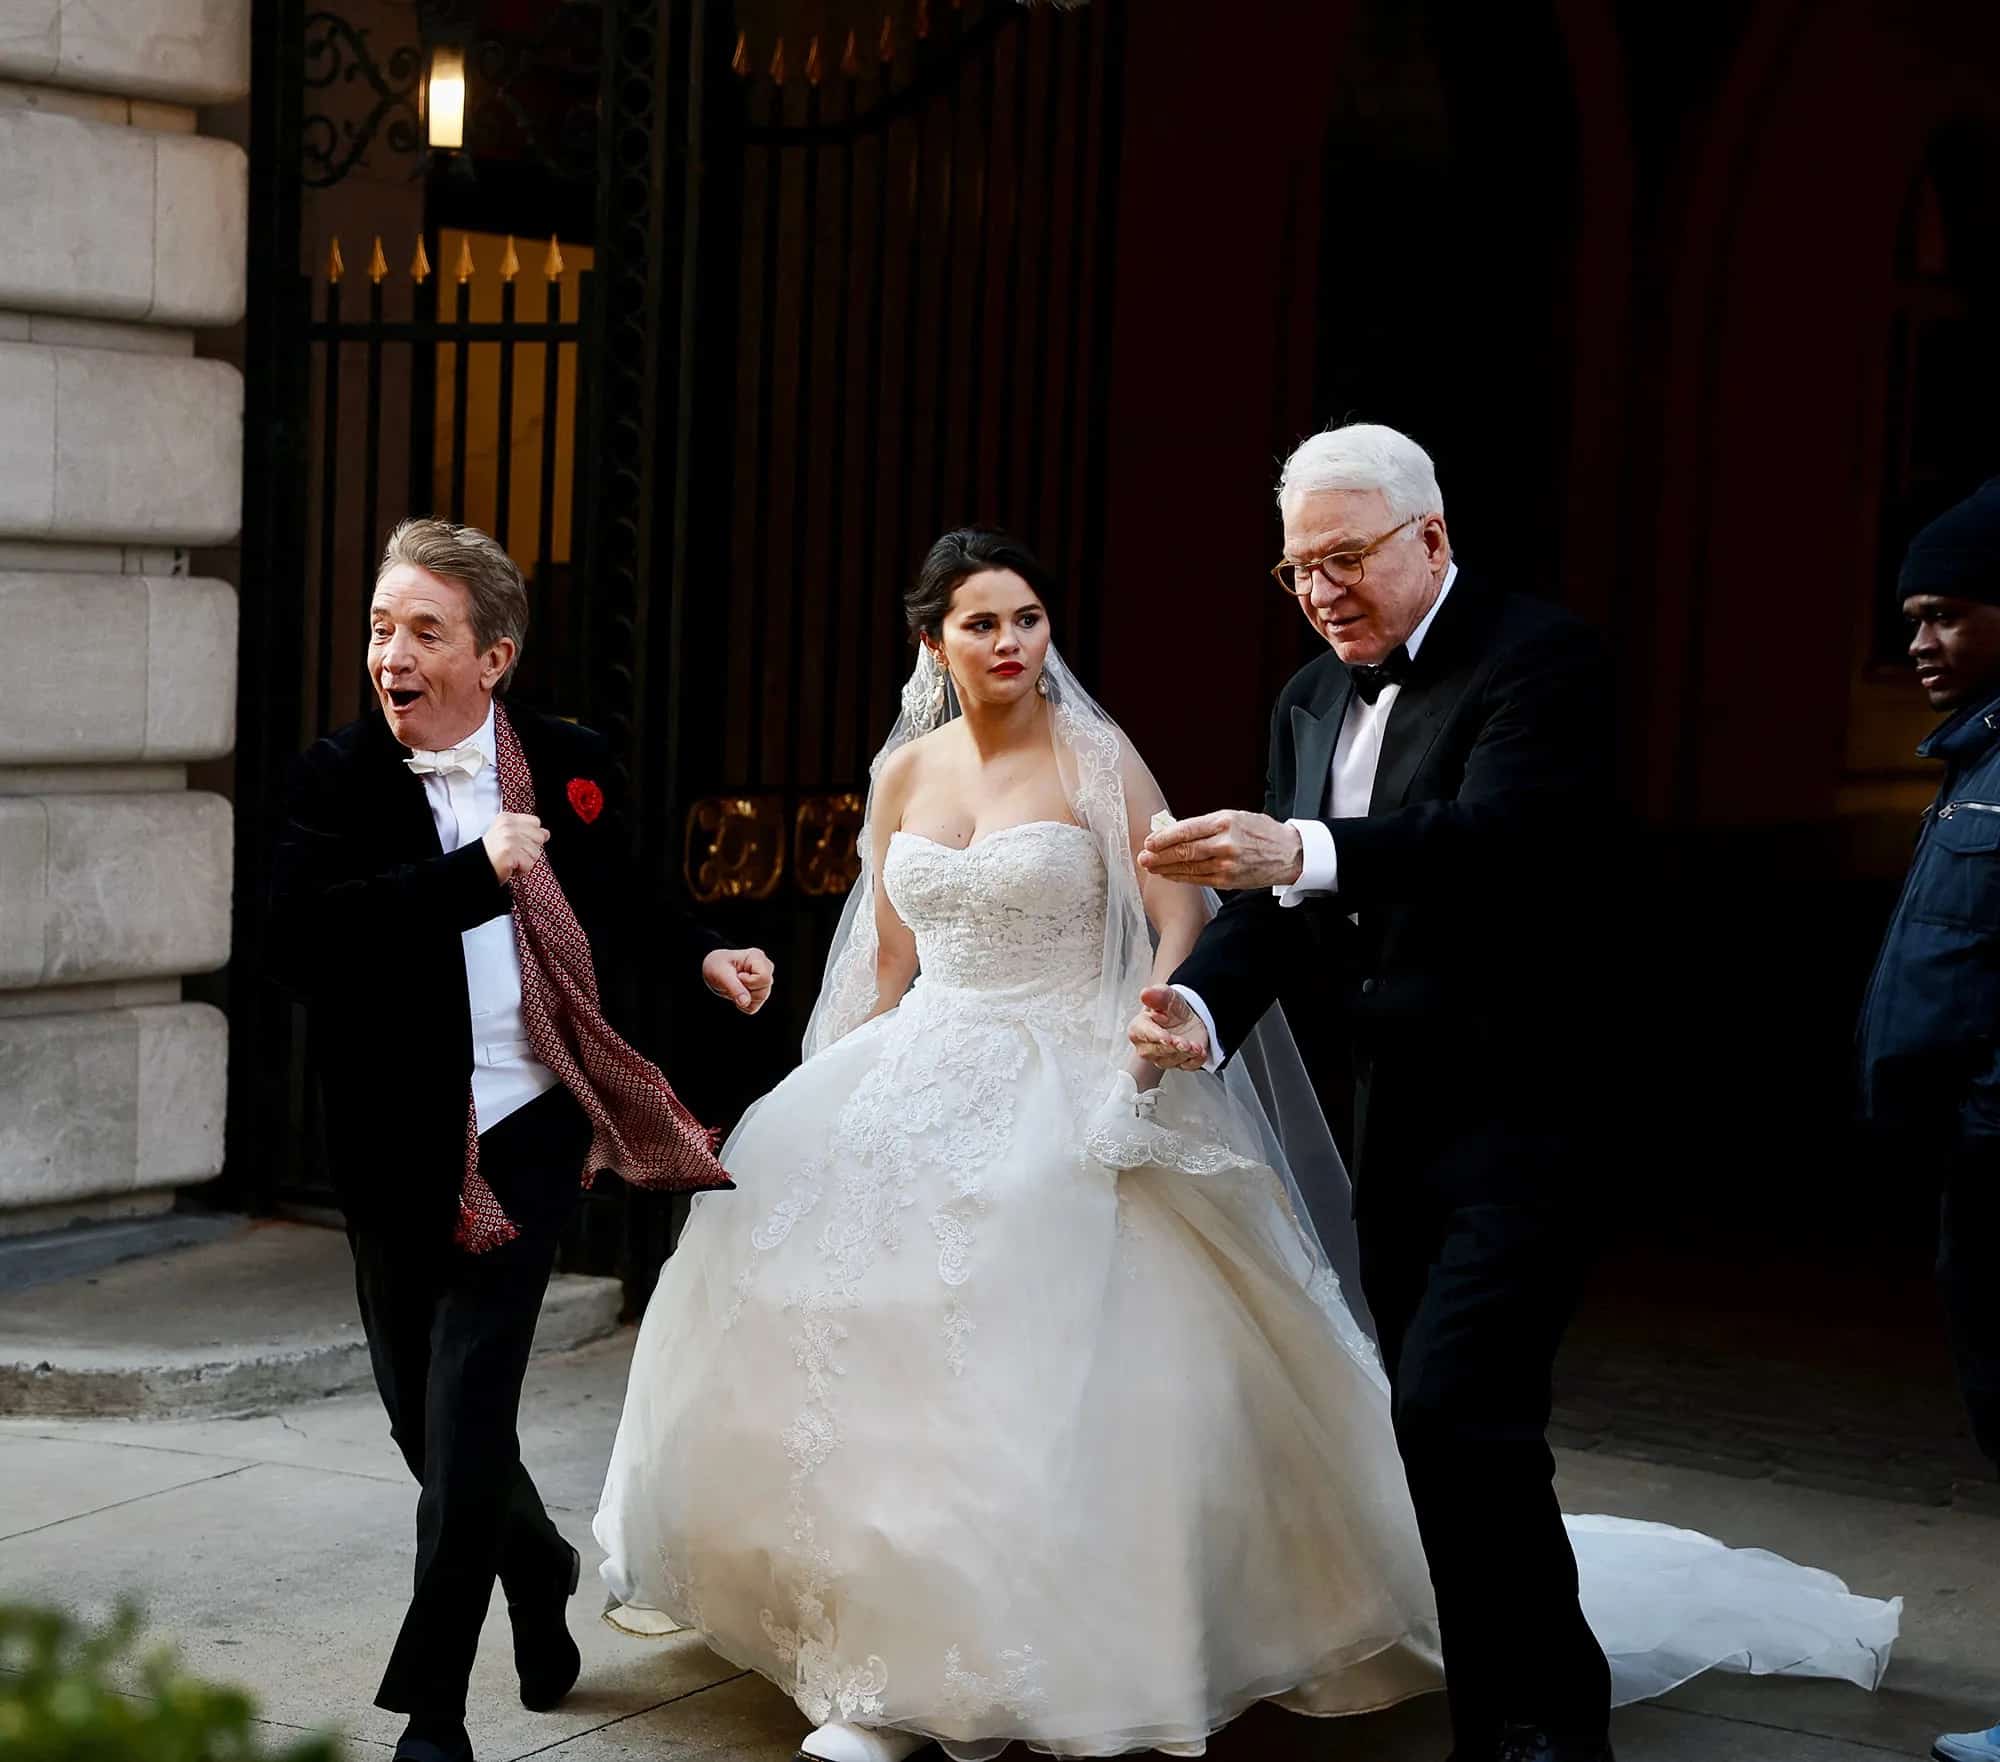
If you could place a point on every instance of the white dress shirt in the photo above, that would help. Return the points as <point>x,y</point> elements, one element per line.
<point>1357,755</point>
<point>506,1075</point>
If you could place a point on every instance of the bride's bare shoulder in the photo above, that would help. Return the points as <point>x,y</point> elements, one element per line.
<point>903,767</point>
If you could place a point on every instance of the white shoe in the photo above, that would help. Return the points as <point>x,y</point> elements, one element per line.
<point>638,1620</point>
<point>839,1742</point>
<point>1968,1746</point>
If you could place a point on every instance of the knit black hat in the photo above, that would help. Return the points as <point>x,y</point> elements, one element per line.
<point>1957,556</point>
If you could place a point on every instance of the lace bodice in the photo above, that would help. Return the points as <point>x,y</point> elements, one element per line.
<point>1020,910</point>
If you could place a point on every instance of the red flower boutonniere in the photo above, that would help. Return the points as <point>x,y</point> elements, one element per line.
<point>586,798</point>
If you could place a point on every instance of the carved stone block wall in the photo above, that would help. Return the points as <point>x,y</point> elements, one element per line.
<point>126,230</point>
<point>184,51</point>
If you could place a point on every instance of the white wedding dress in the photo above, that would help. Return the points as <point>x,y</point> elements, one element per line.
<point>941,1423</point>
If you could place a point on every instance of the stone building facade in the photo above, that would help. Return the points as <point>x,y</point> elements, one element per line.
<point>122,234</point>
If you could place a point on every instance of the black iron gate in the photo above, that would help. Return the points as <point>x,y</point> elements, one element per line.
<point>845,293</point>
<point>912,320</point>
<point>427,353</point>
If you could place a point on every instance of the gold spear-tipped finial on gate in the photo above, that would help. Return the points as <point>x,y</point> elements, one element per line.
<point>510,262</point>
<point>740,62</point>
<point>552,264</point>
<point>850,59</point>
<point>778,63</point>
<point>335,268</point>
<point>885,44</point>
<point>420,264</point>
<point>378,265</point>
<point>812,62</point>
<point>463,268</point>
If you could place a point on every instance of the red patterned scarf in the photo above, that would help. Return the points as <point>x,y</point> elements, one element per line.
<point>640,1128</point>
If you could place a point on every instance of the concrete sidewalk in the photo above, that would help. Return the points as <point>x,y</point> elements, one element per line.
<point>275,1551</point>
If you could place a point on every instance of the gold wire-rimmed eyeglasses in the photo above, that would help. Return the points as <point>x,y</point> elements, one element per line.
<point>1342,568</point>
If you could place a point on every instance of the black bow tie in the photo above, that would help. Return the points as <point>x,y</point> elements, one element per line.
<point>1369,681</point>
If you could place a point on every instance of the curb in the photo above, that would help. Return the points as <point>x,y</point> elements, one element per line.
<point>95,1382</point>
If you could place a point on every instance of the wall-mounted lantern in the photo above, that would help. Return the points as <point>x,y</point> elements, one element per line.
<point>444,97</point>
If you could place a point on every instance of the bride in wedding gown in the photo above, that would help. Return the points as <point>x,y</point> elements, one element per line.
<point>1013,1396</point>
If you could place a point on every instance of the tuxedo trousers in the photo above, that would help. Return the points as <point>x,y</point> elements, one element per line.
<point>449,1334</point>
<point>1473,1259</point>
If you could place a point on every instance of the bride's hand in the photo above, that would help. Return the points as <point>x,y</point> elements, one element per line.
<point>1166,1032</point>
<point>1145,1075</point>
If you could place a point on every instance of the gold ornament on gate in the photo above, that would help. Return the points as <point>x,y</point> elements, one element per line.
<point>735,848</point>
<point>824,841</point>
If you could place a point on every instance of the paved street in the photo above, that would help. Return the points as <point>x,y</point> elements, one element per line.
<point>1829,1372</point>
<point>274,1550</point>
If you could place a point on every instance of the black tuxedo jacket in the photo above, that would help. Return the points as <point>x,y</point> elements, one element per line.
<point>1469,990</point>
<point>366,915</point>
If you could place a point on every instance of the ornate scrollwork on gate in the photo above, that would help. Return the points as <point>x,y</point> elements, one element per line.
<point>825,858</point>
<point>339,60</point>
<point>516,105</point>
<point>735,848</point>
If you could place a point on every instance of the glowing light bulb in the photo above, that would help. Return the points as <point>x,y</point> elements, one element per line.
<point>445,102</point>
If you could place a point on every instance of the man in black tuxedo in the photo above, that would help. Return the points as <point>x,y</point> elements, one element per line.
<point>398,879</point>
<point>1423,886</point>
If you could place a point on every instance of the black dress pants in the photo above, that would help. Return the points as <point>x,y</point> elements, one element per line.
<point>1473,1272</point>
<point>449,1335</point>
<point>1968,1242</point>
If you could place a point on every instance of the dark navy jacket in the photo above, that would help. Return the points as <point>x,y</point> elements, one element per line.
<point>1930,1029</point>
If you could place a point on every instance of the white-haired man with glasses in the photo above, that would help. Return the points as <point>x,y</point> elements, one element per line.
<point>1421,891</point>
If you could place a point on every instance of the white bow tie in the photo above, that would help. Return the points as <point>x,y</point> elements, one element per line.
<point>467,759</point>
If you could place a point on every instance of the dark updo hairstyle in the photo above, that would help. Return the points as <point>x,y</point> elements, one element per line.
<point>968,551</point>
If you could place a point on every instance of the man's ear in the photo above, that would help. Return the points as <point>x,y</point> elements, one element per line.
<point>494,663</point>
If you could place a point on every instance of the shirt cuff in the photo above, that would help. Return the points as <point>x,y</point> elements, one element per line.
<point>1195,1003</point>
<point>1321,870</point>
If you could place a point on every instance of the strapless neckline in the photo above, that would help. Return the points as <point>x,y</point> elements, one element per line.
<point>961,849</point>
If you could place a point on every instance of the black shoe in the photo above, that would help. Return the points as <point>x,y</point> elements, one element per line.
<point>434,1743</point>
<point>1523,1743</point>
<point>545,1657</point>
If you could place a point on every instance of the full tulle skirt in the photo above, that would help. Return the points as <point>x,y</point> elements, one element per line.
<point>1011,1448</point>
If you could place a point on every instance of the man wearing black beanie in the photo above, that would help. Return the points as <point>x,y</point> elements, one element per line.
<point>1930,1028</point>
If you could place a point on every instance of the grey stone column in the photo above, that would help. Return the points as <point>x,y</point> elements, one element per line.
<point>121,231</point>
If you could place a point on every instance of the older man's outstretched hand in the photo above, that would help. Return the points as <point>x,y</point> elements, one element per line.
<point>1166,1032</point>
<point>1231,849</point>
